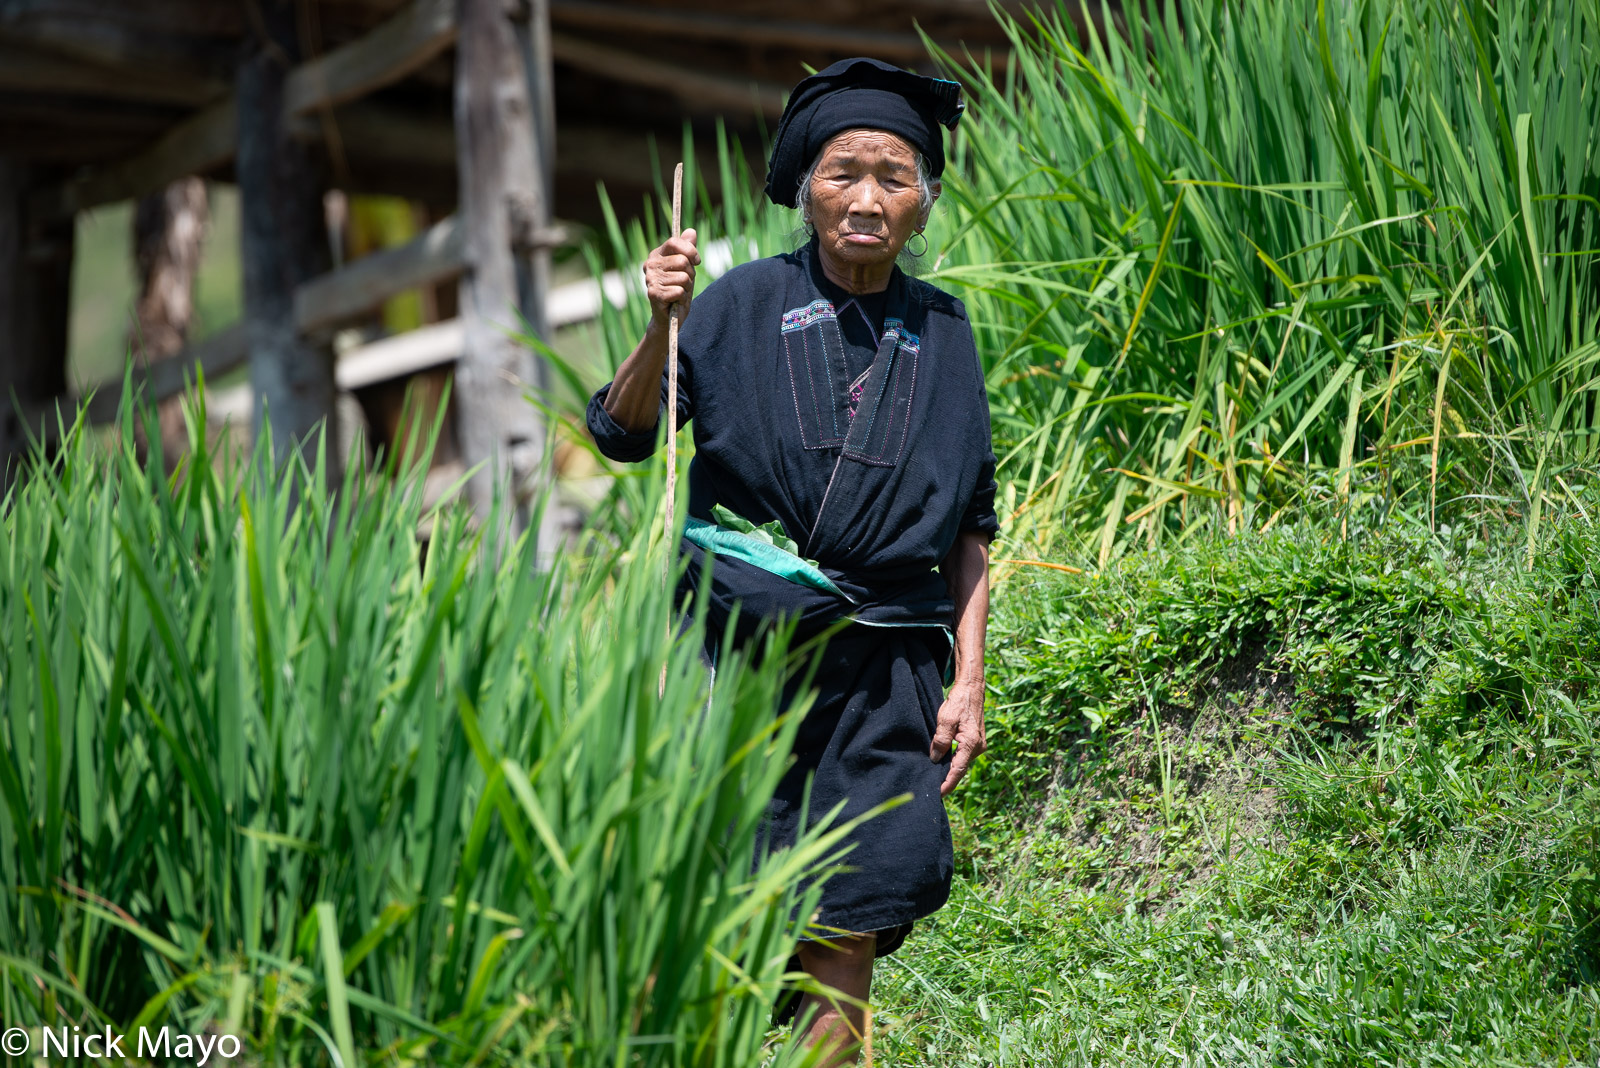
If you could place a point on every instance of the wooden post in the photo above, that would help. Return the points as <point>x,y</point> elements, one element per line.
<point>168,233</point>
<point>35,309</point>
<point>504,215</point>
<point>283,243</point>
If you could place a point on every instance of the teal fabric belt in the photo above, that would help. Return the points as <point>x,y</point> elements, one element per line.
<point>768,548</point>
<point>715,538</point>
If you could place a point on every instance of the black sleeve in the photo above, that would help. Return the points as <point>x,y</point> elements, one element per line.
<point>980,515</point>
<point>630,446</point>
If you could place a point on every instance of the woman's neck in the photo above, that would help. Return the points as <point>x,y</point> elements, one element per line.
<point>855,278</point>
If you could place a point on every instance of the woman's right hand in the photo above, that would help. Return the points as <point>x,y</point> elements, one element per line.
<point>669,276</point>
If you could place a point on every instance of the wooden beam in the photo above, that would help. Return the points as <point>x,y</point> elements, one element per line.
<point>404,354</point>
<point>714,91</point>
<point>361,285</point>
<point>422,30</point>
<point>385,134</point>
<point>674,23</point>
<point>194,146</point>
<point>539,66</point>
<point>35,69</point>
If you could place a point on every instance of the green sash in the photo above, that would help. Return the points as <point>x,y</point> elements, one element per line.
<point>766,546</point>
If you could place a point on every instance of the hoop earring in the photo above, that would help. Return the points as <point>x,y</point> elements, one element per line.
<point>924,237</point>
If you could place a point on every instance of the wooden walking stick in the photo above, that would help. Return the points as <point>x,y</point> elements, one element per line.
<point>672,422</point>
<point>672,377</point>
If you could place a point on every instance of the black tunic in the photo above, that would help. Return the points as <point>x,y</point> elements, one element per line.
<point>861,424</point>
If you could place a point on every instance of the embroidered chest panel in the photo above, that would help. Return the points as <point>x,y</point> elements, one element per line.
<point>867,416</point>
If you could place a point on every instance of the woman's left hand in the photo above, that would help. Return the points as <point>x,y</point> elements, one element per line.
<point>961,722</point>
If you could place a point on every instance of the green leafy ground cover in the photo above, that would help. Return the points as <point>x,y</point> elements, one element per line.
<point>1282,799</point>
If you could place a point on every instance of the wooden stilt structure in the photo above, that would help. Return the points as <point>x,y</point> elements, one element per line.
<point>103,101</point>
<point>278,130</point>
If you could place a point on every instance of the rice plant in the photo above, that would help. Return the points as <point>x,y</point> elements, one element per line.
<point>1234,257</point>
<point>271,768</point>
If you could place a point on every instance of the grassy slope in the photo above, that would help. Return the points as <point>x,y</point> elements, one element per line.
<point>1340,808</point>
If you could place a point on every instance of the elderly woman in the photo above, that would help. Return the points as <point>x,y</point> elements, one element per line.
<point>840,403</point>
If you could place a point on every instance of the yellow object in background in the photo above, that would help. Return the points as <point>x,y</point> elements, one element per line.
<point>378,222</point>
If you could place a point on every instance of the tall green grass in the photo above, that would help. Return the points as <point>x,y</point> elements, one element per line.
<point>1255,254</point>
<point>269,767</point>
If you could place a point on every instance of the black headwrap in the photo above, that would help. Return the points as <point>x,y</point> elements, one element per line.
<point>859,93</point>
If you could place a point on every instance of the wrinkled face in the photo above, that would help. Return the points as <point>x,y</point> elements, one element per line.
<point>866,199</point>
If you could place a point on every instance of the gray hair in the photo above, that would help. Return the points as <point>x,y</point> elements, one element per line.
<point>906,259</point>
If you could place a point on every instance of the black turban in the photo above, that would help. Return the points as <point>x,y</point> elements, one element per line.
<point>859,94</point>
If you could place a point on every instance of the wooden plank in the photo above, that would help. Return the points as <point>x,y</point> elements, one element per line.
<point>539,66</point>
<point>34,69</point>
<point>377,133</point>
<point>712,91</point>
<point>422,30</point>
<point>364,284</point>
<point>673,23</point>
<point>401,355</point>
<point>194,39</point>
<point>194,146</point>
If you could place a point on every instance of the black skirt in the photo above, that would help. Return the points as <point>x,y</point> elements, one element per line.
<point>865,741</point>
